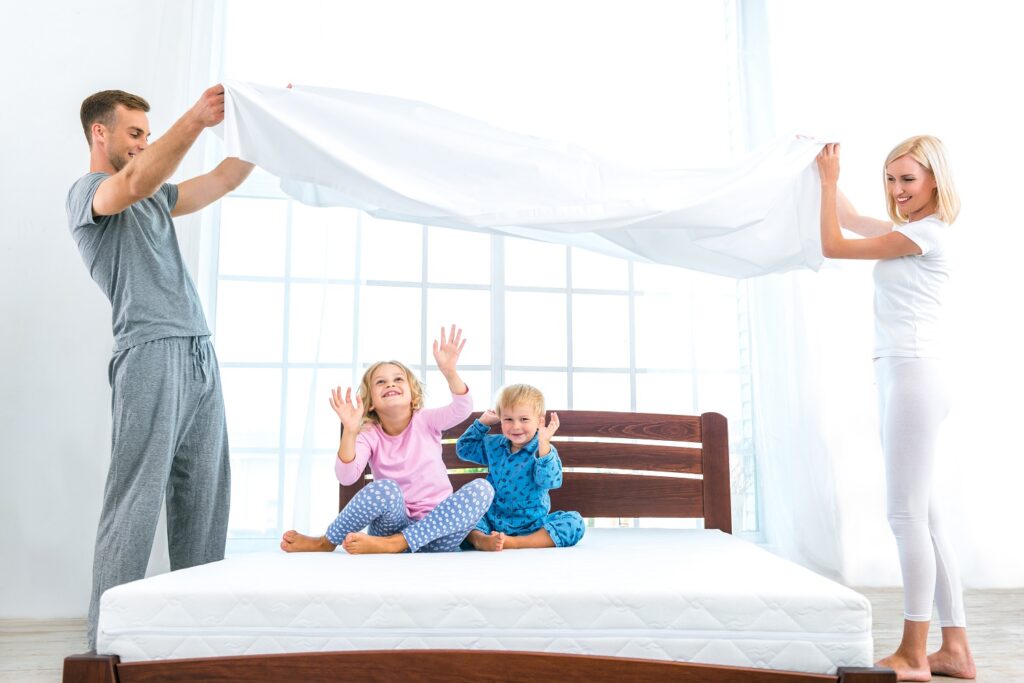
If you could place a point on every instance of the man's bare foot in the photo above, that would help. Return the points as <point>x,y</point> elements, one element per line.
<point>294,542</point>
<point>905,669</point>
<point>364,544</point>
<point>494,541</point>
<point>955,664</point>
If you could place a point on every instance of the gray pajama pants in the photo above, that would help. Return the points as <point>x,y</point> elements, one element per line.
<point>169,438</point>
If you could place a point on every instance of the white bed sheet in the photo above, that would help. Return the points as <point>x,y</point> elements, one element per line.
<point>684,595</point>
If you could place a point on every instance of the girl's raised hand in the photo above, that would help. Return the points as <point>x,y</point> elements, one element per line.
<point>446,353</point>
<point>350,414</point>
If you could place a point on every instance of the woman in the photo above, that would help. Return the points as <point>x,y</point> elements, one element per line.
<point>910,278</point>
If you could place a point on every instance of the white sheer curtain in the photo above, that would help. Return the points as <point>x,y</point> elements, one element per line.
<point>895,70</point>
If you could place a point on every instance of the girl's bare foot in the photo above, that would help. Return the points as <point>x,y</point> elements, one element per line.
<point>905,669</point>
<point>494,541</point>
<point>364,544</point>
<point>956,664</point>
<point>294,542</point>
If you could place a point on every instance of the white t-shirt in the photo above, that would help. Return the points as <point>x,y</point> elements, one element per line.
<point>910,294</point>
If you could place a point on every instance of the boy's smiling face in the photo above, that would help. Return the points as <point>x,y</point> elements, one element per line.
<point>519,424</point>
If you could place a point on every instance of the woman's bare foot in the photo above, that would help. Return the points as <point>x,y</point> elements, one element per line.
<point>906,670</point>
<point>494,541</point>
<point>956,664</point>
<point>364,544</point>
<point>294,542</point>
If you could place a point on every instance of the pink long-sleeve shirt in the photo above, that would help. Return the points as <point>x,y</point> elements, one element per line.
<point>411,459</point>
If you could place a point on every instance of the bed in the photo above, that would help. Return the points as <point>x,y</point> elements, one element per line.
<point>625,604</point>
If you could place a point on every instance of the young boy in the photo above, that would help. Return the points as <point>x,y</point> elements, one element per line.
<point>523,465</point>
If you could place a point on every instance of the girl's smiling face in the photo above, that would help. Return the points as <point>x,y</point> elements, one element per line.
<point>389,388</point>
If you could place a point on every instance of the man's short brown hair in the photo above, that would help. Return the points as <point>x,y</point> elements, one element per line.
<point>100,108</point>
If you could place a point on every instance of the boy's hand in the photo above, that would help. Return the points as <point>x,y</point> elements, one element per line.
<point>544,433</point>
<point>351,415</point>
<point>490,418</point>
<point>446,354</point>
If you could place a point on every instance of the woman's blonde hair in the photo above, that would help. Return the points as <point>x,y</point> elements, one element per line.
<point>521,394</point>
<point>928,151</point>
<point>415,388</point>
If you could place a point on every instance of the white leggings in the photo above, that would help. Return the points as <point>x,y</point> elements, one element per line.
<point>912,403</point>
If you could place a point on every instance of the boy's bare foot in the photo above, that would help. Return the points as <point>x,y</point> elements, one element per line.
<point>493,541</point>
<point>364,544</point>
<point>294,542</point>
<point>956,664</point>
<point>905,669</point>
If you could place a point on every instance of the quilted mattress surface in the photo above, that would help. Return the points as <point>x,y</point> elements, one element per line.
<point>685,595</point>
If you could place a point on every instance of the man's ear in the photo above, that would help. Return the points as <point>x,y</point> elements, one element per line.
<point>99,132</point>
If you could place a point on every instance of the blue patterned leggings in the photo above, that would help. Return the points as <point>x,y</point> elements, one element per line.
<point>380,506</point>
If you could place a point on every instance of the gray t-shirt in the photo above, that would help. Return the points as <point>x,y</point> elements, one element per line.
<point>134,257</point>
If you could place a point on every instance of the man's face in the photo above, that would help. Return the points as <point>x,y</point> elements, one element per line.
<point>128,137</point>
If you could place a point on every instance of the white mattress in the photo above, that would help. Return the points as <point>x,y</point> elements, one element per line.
<point>694,595</point>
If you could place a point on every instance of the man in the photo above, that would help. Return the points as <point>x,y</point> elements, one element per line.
<point>169,433</point>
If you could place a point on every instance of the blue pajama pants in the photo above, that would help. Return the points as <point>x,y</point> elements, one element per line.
<point>564,528</point>
<point>380,506</point>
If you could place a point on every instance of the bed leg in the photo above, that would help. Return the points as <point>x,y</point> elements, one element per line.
<point>91,668</point>
<point>865,674</point>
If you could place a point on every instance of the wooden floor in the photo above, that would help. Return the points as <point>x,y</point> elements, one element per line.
<point>31,651</point>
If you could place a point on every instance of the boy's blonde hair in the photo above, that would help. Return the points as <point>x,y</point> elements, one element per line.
<point>928,151</point>
<point>521,394</point>
<point>415,388</point>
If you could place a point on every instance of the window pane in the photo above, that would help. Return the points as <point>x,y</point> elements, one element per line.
<point>391,250</point>
<point>458,256</point>
<point>252,236</point>
<point>591,270</point>
<point>478,381</point>
<point>600,391</point>
<point>535,329</point>
<point>650,278</point>
<point>389,325</point>
<point>664,331</point>
<point>554,386</point>
<point>600,331</point>
<point>320,315</point>
<point>252,401</point>
<point>323,242</point>
<point>254,495</point>
<point>309,410</point>
<point>529,263</point>
<point>250,319</point>
<point>468,309</point>
<point>309,478</point>
<point>665,392</point>
<point>716,335</point>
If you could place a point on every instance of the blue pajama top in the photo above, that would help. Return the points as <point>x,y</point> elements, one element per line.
<point>521,480</point>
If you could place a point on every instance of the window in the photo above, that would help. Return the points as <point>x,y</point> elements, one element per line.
<point>306,298</point>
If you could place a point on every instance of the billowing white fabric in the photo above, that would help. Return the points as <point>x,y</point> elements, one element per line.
<point>684,595</point>
<point>409,161</point>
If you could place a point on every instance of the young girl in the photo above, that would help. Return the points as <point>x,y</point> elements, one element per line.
<point>910,278</point>
<point>523,466</point>
<point>409,505</point>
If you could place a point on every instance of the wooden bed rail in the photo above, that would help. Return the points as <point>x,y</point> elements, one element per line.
<point>437,666</point>
<point>664,466</point>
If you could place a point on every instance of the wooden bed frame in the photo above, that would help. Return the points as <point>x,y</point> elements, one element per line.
<point>644,482</point>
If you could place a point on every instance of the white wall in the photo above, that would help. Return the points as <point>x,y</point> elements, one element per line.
<point>55,338</point>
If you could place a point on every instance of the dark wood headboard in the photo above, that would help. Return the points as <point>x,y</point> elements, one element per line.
<point>643,484</point>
